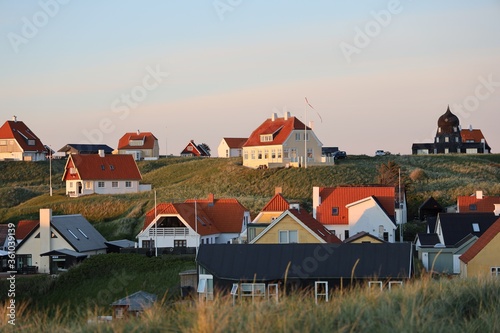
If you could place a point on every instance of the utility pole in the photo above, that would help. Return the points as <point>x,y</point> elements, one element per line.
<point>50,170</point>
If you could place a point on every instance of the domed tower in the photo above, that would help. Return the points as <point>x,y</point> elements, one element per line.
<point>448,138</point>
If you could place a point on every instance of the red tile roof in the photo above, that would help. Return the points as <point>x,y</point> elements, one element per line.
<point>484,205</point>
<point>95,167</point>
<point>313,224</point>
<point>24,227</point>
<point>147,137</point>
<point>481,243</point>
<point>196,150</point>
<point>235,142</point>
<point>277,204</point>
<point>280,128</point>
<point>21,133</point>
<point>474,135</point>
<point>343,195</point>
<point>214,215</point>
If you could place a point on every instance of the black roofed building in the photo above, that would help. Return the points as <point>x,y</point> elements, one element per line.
<point>82,148</point>
<point>55,243</point>
<point>300,265</point>
<point>451,138</point>
<point>133,305</point>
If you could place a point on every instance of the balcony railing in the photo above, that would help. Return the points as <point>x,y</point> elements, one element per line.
<point>162,232</point>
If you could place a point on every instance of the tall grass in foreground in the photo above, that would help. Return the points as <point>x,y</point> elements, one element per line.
<point>421,306</point>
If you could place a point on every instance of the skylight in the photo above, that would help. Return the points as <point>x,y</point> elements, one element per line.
<point>82,233</point>
<point>475,227</point>
<point>71,232</point>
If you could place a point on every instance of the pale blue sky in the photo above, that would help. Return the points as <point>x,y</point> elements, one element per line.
<point>231,63</point>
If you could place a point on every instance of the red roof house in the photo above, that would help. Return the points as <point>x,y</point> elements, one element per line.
<point>477,203</point>
<point>19,143</point>
<point>143,145</point>
<point>194,150</point>
<point>193,222</point>
<point>102,174</point>
<point>279,142</point>
<point>231,147</point>
<point>352,209</point>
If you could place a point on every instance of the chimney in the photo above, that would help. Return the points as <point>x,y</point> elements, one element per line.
<point>101,153</point>
<point>497,210</point>
<point>311,124</point>
<point>138,132</point>
<point>287,115</point>
<point>470,128</point>
<point>14,118</point>
<point>479,195</point>
<point>316,200</point>
<point>274,116</point>
<point>278,190</point>
<point>45,239</point>
<point>211,199</point>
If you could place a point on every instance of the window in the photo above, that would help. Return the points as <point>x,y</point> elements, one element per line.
<point>259,155</point>
<point>114,184</point>
<point>273,154</point>
<point>495,271</point>
<point>102,167</point>
<point>70,185</point>
<point>227,152</point>
<point>111,167</point>
<point>266,138</point>
<point>309,153</point>
<point>266,154</point>
<point>439,130</point>
<point>245,155</point>
<point>253,154</point>
<point>306,136</point>
<point>31,142</point>
<point>437,140</point>
<point>297,136</point>
<point>148,244</point>
<point>288,236</point>
<point>446,139</point>
<point>88,185</point>
<point>386,236</point>
<point>100,184</point>
<point>335,211</point>
<point>456,139</point>
<point>475,227</point>
<point>279,153</point>
<point>472,207</point>
<point>180,243</point>
<point>3,142</point>
<point>128,184</point>
<point>81,231</point>
<point>454,128</point>
<point>346,234</point>
<point>286,153</point>
<point>189,148</point>
<point>72,233</point>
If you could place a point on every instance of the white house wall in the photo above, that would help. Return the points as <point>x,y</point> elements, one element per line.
<point>368,216</point>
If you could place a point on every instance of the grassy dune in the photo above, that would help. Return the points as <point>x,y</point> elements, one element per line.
<point>24,185</point>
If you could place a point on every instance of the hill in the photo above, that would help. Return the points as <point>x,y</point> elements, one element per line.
<point>24,185</point>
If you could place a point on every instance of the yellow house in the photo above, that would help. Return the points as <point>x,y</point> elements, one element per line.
<point>295,226</point>
<point>482,259</point>
<point>281,142</point>
<point>364,237</point>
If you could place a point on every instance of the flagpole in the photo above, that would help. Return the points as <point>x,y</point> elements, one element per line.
<point>196,226</point>
<point>305,135</point>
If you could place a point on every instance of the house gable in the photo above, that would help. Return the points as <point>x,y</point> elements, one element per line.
<point>485,250</point>
<point>107,167</point>
<point>368,215</point>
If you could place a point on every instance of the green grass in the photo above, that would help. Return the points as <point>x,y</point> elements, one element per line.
<point>25,185</point>
<point>424,305</point>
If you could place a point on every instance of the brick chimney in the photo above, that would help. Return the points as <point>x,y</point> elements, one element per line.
<point>278,190</point>
<point>479,195</point>
<point>211,199</point>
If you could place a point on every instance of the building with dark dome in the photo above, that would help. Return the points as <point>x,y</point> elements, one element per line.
<point>451,138</point>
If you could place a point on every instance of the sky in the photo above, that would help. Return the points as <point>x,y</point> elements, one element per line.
<point>377,73</point>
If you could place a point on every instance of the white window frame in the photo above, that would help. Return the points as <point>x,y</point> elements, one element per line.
<point>287,237</point>
<point>495,271</point>
<point>115,184</point>
<point>101,184</point>
<point>128,184</point>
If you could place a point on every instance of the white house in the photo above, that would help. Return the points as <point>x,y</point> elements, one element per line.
<point>193,222</point>
<point>231,147</point>
<point>19,143</point>
<point>279,142</point>
<point>57,242</point>
<point>102,174</point>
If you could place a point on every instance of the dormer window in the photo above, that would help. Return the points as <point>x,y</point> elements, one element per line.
<point>472,207</point>
<point>136,143</point>
<point>266,138</point>
<point>31,142</point>
<point>102,167</point>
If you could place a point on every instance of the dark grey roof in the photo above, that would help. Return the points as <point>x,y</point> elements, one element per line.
<point>138,301</point>
<point>268,262</point>
<point>431,223</point>
<point>87,148</point>
<point>64,252</point>
<point>78,232</point>
<point>428,239</point>
<point>456,226</point>
<point>122,243</point>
